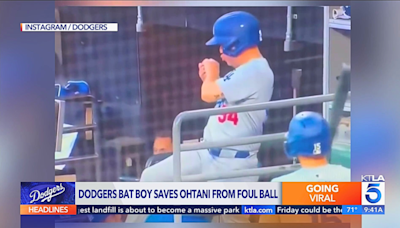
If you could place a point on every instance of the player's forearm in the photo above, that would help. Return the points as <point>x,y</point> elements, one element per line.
<point>210,91</point>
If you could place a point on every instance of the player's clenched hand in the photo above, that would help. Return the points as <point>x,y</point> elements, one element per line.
<point>211,68</point>
<point>202,71</point>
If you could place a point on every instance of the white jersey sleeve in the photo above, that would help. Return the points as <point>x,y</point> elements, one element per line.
<point>246,81</point>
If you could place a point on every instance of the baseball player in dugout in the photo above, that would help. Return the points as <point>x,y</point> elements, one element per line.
<point>237,35</point>
<point>309,140</point>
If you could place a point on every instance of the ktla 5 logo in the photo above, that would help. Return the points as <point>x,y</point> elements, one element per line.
<point>373,193</point>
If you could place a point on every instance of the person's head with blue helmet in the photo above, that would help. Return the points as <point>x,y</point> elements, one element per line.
<point>308,137</point>
<point>238,35</point>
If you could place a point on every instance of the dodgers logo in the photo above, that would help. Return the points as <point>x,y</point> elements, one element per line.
<point>47,195</point>
<point>220,103</point>
<point>373,190</point>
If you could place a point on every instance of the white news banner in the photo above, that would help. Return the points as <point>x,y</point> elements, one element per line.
<point>69,27</point>
<point>178,193</point>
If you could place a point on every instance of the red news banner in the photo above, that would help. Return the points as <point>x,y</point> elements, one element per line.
<point>48,209</point>
<point>321,193</point>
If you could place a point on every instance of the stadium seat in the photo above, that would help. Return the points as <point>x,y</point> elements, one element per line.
<point>170,219</point>
<point>151,161</point>
<point>156,159</point>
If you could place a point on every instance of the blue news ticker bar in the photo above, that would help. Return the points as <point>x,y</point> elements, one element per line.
<point>159,209</point>
<point>373,210</point>
<point>231,209</point>
<point>352,210</point>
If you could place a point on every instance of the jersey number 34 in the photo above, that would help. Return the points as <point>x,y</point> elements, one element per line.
<point>231,117</point>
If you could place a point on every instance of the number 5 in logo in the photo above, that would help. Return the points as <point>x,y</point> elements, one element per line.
<point>372,188</point>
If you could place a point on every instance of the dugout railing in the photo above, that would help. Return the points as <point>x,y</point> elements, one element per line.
<point>187,115</point>
<point>91,131</point>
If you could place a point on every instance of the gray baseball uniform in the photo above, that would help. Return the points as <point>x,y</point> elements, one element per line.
<point>248,84</point>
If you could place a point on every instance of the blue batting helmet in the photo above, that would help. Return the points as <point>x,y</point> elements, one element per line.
<point>236,32</point>
<point>308,135</point>
<point>347,10</point>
